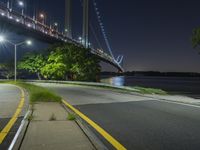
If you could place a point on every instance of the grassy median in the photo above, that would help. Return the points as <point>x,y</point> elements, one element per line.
<point>39,94</point>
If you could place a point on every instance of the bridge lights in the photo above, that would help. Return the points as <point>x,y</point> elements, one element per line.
<point>80,38</point>
<point>42,17</point>
<point>21,4</point>
<point>56,24</point>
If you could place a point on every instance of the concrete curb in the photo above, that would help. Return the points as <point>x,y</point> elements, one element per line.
<point>95,141</point>
<point>111,86</point>
<point>16,142</point>
<point>85,83</point>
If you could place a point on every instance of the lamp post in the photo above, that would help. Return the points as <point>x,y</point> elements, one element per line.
<point>28,42</point>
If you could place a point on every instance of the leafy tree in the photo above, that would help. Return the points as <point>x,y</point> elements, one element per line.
<point>33,63</point>
<point>63,60</point>
<point>8,69</point>
<point>55,67</point>
<point>80,64</point>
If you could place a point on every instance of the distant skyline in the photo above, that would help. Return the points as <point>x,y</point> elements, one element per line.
<point>152,35</point>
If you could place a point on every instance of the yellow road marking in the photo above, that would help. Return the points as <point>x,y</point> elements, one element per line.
<point>106,135</point>
<point>12,121</point>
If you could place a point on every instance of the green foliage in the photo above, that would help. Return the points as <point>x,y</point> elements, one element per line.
<point>71,117</point>
<point>39,94</point>
<point>33,63</point>
<point>150,90</point>
<point>63,60</point>
<point>8,68</point>
<point>196,38</point>
<point>55,67</point>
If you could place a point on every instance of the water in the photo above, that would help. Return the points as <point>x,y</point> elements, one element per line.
<point>189,86</point>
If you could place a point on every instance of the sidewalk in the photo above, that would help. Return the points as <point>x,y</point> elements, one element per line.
<point>59,133</point>
<point>177,98</point>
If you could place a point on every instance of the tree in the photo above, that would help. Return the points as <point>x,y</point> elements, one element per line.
<point>8,69</point>
<point>196,38</point>
<point>33,63</point>
<point>80,63</point>
<point>62,60</point>
<point>55,67</point>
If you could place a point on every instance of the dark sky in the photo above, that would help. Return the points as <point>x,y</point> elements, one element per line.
<point>152,35</point>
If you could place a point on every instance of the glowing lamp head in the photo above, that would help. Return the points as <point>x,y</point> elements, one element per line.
<point>2,39</point>
<point>29,42</point>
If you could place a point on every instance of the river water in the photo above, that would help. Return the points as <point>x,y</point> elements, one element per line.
<point>189,86</point>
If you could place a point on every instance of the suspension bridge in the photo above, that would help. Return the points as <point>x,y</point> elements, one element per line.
<point>36,27</point>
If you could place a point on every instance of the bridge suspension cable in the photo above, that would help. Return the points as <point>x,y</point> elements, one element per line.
<point>95,36</point>
<point>102,28</point>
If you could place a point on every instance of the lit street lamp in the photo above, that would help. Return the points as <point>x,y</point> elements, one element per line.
<point>28,42</point>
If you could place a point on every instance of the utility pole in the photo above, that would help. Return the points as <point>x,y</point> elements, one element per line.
<point>85,23</point>
<point>68,20</point>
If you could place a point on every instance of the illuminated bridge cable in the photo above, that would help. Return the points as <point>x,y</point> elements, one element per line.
<point>102,28</point>
<point>95,36</point>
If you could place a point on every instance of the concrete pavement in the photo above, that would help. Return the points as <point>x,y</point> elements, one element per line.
<point>135,121</point>
<point>50,129</point>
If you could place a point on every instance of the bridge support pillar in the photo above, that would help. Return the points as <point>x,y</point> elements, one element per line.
<point>85,23</point>
<point>68,20</point>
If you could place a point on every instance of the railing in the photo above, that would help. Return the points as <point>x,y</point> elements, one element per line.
<point>45,29</point>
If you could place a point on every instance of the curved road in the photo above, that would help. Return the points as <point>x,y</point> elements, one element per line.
<point>9,100</point>
<point>137,122</point>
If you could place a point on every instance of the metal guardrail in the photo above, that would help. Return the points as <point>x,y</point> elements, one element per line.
<point>29,22</point>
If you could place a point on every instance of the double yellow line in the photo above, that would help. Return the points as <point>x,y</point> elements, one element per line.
<point>14,118</point>
<point>101,131</point>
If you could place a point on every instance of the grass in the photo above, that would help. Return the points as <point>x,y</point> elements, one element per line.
<point>143,90</point>
<point>137,89</point>
<point>71,117</point>
<point>39,94</point>
<point>52,118</point>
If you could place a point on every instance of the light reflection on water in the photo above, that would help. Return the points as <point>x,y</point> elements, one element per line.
<point>116,81</point>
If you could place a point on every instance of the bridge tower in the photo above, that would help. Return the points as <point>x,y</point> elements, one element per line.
<point>85,35</point>
<point>68,20</point>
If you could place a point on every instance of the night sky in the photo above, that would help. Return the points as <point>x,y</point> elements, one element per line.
<point>152,35</point>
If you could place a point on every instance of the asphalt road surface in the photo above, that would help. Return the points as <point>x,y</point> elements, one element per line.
<point>9,100</point>
<point>137,122</point>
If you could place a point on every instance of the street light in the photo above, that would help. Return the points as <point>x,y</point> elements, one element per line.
<point>28,42</point>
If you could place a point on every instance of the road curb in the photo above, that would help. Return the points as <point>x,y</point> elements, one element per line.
<point>16,142</point>
<point>94,84</point>
<point>95,141</point>
<point>116,144</point>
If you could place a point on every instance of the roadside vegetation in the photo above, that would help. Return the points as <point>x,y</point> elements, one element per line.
<point>62,62</point>
<point>71,117</point>
<point>143,90</point>
<point>38,94</point>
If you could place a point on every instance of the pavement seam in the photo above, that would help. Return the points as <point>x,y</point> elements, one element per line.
<point>14,118</point>
<point>100,130</point>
